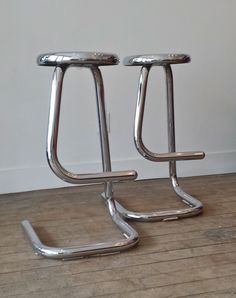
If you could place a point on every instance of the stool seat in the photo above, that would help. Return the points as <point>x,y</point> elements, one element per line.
<point>77,58</point>
<point>156,59</point>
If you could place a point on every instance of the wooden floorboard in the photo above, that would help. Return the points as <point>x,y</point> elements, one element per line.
<point>192,257</point>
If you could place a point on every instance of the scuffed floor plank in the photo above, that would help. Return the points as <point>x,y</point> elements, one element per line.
<point>192,257</point>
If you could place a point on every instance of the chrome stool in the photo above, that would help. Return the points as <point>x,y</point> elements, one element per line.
<point>61,62</point>
<point>147,62</point>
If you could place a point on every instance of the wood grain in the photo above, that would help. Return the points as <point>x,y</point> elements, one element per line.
<point>194,257</point>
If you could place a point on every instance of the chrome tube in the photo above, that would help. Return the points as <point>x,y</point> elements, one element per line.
<point>69,253</point>
<point>138,123</point>
<point>52,137</point>
<point>62,61</point>
<point>103,132</point>
<point>194,206</point>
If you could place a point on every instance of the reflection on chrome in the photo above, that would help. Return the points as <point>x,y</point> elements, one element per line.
<point>62,61</point>
<point>147,62</point>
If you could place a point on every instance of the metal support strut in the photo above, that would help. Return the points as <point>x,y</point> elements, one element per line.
<point>61,62</point>
<point>194,206</point>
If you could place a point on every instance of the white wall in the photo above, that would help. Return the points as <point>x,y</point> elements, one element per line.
<point>205,89</point>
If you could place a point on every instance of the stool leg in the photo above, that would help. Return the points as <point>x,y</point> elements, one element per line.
<point>195,206</point>
<point>52,138</point>
<point>130,235</point>
<point>103,132</point>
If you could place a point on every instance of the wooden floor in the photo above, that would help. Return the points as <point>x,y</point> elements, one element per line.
<point>194,257</point>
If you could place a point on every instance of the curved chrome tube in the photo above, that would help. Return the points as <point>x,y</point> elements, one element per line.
<point>138,123</point>
<point>91,60</point>
<point>69,253</point>
<point>195,206</point>
<point>53,127</point>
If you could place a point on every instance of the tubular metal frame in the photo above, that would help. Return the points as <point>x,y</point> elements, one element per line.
<point>194,206</point>
<point>62,61</point>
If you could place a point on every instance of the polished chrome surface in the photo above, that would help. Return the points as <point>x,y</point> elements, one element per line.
<point>138,124</point>
<point>53,128</point>
<point>194,206</point>
<point>107,176</point>
<point>70,253</point>
<point>156,59</point>
<point>77,58</point>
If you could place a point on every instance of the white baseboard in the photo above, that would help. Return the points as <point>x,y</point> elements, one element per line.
<point>34,178</point>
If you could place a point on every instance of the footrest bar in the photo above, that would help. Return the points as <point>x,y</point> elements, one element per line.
<point>170,156</point>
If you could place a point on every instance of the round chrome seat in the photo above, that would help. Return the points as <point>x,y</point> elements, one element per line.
<point>77,58</point>
<point>156,59</point>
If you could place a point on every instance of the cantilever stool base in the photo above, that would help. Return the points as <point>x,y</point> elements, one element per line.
<point>146,62</point>
<point>61,62</point>
<point>193,209</point>
<point>130,239</point>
